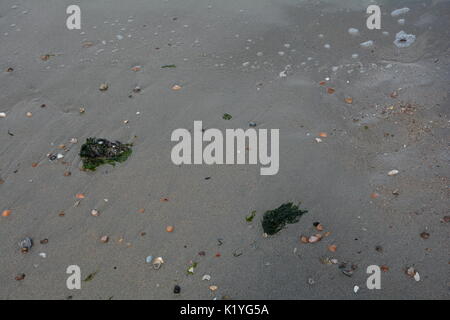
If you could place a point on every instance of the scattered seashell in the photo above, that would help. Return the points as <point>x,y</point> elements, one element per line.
<point>74,140</point>
<point>330,90</point>
<point>176,87</point>
<point>104,239</point>
<point>43,255</point>
<point>95,213</point>
<point>149,259</point>
<point>355,289</point>
<point>6,213</point>
<point>142,210</point>
<point>348,100</point>
<point>206,277</point>
<point>315,238</point>
<point>2,115</point>
<point>136,68</point>
<point>318,140</point>
<point>157,263</point>
<point>29,114</point>
<point>417,277</point>
<point>332,248</point>
<point>213,288</point>
<point>169,228</point>
<point>103,87</point>
<point>393,172</point>
<point>323,134</point>
<point>80,196</point>
<point>82,110</point>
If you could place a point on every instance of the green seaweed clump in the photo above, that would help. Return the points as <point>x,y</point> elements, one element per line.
<point>96,152</point>
<point>275,220</point>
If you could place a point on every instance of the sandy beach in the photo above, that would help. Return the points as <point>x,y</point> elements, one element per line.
<point>364,147</point>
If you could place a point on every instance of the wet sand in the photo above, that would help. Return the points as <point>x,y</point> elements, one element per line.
<point>228,57</point>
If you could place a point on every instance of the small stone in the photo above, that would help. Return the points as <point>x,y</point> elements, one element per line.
<point>425,235</point>
<point>177,289</point>
<point>44,241</point>
<point>252,124</point>
<point>20,276</point>
<point>26,244</point>
<point>67,174</point>
<point>149,259</point>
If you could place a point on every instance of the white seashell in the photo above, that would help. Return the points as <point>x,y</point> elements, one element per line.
<point>417,276</point>
<point>393,172</point>
<point>206,277</point>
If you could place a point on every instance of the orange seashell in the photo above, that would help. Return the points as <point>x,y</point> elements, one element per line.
<point>304,239</point>
<point>374,195</point>
<point>176,87</point>
<point>164,200</point>
<point>332,248</point>
<point>141,210</point>
<point>331,91</point>
<point>349,100</point>
<point>323,134</point>
<point>169,228</point>
<point>80,196</point>
<point>322,83</point>
<point>6,213</point>
<point>319,227</point>
<point>34,164</point>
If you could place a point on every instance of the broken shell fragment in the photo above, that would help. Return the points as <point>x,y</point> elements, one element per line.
<point>80,196</point>
<point>176,87</point>
<point>103,87</point>
<point>349,100</point>
<point>206,277</point>
<point>332,248</point>
<point>2,115</point>
<point>213,288</point>
<point>104,239</point>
